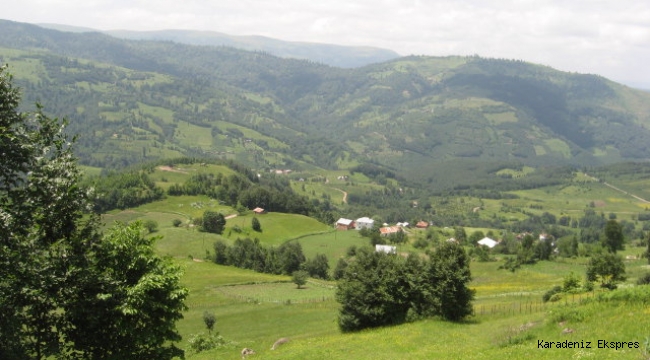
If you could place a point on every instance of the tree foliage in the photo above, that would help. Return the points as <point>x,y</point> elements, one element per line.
<point>255,224</point>
<point>213,222</point>
<point>127,300</point>
<point>613,236</point>
<point>608,268</point>
<point>65,289</point>
<point>379,289</point>
<point>299,277</point>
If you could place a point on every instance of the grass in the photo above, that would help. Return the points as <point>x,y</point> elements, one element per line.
<point>254,310</point>
<point>332,244</point>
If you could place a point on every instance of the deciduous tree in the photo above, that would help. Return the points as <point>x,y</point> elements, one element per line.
<point>64,289</point>
<point>608,268</point>
<point>299,277</point>
<point>213,222</point>
<point>613,240</point>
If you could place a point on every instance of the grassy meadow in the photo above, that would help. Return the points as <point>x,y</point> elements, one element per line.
<point>254,310</point>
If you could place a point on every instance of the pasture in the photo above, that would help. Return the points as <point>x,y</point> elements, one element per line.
<point>254,310</point>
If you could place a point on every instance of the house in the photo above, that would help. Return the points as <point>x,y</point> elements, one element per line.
<point>364,223</point>
<point>259,211</point>
<point>344,224</point>
<point>422,225</point>
<point>389,230</point>
<point>388,249</point>
<point>403,224</point>
<point>486,241</point>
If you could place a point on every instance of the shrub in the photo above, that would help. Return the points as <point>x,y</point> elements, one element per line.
<point>571,282</point>
<point>177,222</point>
<point>151,225</point>
<point>202,342</point>
<point>571,313</point>
<point>555,290</point>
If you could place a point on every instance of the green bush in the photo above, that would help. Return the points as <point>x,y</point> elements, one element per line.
<point>555,290</point>
<point>571,313</point>
<point>202,342</point>
<point>151,225</point>
<point>571,282</point>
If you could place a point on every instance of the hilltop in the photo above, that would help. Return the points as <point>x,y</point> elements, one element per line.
<point>138,100</point>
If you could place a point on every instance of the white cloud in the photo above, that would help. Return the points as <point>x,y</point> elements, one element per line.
<point>611,38</point>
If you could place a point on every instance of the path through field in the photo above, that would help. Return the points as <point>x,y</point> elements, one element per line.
<point>345,195</point>
<point>620,190</point>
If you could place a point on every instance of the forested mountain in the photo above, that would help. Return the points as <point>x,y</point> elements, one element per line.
<point>328,54</point>
<point>139,100</point>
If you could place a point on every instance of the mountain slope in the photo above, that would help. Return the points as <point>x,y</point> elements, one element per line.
<point>147,99</point>
<point>329,54</point>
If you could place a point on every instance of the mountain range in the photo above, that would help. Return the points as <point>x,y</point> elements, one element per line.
<point>417,116</point>
<point>328,54</point>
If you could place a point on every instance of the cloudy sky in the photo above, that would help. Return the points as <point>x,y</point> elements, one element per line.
<point>605,37</point>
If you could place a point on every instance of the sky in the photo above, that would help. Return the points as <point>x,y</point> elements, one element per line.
<point>610,38</point>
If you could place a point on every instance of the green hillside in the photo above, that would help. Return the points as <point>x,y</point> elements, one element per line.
<point>421,117</point>
<point>188,139</point>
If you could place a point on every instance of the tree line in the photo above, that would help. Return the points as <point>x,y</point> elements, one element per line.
<point>286,259</point>
<point>378,289</point>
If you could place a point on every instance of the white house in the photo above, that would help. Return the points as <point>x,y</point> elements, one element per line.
<point>388,249</point>
<point>364,223</point>
<point>486,241</point>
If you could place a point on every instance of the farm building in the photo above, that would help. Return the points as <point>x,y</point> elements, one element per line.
<point>344,224</point>
<point>486,241</point>
<point>388,249</point>
<point>364,223</point>
<point>422,225</point>
<point>388,230</point>
<point>259,211</point>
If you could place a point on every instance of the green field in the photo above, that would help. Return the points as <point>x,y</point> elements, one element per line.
<point>253,310</point>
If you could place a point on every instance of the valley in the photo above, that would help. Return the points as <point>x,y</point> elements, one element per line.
<point>270,152</point>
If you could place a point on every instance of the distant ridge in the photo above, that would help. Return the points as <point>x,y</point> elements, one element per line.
<point>139,100</point>
<point>328,54</point>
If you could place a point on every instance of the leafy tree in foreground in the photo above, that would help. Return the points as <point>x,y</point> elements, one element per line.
<point>42,229</point>
<point>64,290</point>
<point>450,265</point>
<point>127,301</point>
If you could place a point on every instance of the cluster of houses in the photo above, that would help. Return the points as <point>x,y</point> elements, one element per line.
<point>386,230</point>
<point>368,223</point>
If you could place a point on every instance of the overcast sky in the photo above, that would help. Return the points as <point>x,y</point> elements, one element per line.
<point>605,37</point>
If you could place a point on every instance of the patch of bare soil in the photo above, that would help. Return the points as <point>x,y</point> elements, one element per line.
<point>170,169</point>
